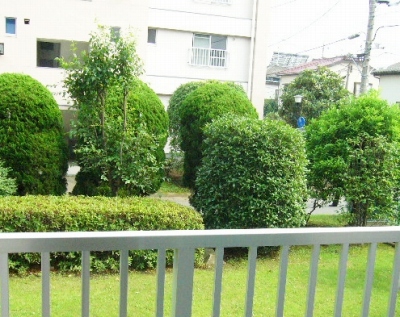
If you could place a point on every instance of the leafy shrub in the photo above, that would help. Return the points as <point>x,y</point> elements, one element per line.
<point>175,103</point>
<point>59,214</point>
<point>252,175</point>
<point>321,88</point>
<point>32,143</point>
<point>145,158</point>
<point>353,152</point>
<point>7,185</point>
<point>206,103</point>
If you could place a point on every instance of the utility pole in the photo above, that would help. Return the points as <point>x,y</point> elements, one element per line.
<point>367,49</point>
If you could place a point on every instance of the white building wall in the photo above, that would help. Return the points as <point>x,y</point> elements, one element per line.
<point>63,21</point>
<point>389,88</point>
<point>167,63</point>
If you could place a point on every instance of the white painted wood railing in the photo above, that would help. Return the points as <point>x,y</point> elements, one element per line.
<point>184,243</point>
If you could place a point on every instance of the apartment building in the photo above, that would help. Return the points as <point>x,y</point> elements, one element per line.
<point>178,40</point>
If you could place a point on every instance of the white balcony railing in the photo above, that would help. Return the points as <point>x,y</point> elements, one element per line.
<point>208,57</point>
<point>184,244</point>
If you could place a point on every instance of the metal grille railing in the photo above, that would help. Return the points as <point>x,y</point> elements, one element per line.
<point>185,243</point>
<point>208,57</point>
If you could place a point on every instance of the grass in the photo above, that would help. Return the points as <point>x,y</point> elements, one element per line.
<point>65,289</point>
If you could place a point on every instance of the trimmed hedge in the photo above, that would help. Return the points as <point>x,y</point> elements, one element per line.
<point>60,214</point>
<point>32,142</point>
<point>252,175</point>
<point>208,102</point>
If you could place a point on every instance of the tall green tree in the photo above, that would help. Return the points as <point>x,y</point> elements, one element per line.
<point>354,152</point>
<point>320,88</point>
<point>113,145</point>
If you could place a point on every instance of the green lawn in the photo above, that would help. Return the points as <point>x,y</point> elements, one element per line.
<point>25,291</point>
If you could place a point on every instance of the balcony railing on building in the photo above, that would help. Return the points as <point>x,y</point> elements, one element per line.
<point>184,244</point>
<point>208,57</point>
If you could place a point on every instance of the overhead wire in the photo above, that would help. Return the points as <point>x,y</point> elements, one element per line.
<point>305,28</point>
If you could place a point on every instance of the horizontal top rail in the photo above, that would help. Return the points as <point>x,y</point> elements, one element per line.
<point>173,239</point>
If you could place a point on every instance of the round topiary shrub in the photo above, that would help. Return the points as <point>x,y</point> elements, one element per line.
<point>174,105</point>
<point>206,103</point>
<point>252,175</point>
<point>7,185</point>
<point>146,115</point>
<point>32,143</point>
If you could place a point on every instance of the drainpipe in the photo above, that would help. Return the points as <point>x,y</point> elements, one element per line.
<point>253,39</point>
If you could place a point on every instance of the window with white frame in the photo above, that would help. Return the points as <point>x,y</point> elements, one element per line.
<point>151,36</point>
<point>47,52</point>
<point>11,26</point>
<point>209,50</point>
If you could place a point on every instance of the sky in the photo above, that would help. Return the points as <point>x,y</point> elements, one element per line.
<point>309,26</point>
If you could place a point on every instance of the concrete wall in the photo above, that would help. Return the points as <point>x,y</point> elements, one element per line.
<point>389,87</point>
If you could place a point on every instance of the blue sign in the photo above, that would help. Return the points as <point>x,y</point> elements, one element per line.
<point>301,122</point>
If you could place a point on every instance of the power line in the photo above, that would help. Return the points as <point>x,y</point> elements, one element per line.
<point>293,35</point>
<point>282,4</point>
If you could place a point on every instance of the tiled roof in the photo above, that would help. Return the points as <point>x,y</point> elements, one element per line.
<point>314,64</point>
<point>391,70</point>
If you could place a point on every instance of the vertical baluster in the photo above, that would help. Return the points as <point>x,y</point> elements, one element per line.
<point>183,282</point>
<point>45,266</point>
<point>5,288</point>
<point>369,279</point>
<point>251,278</point>
<point>282,280</point>
<point>123,286</point>
<point>395,282</point>
<point>219,264</point>
<point>313,280</point>
<point>342,280</point>
<point>85,283</point>
<point>160,282</point>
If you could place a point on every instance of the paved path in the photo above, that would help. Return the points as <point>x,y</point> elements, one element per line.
<point>326,210</point>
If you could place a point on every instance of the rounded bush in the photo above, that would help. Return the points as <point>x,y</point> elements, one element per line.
<point>146,113</point>
<point>174,105</point>
<point>206,103</point>
<point>69,213</point>
<point>32,143</point>
<point>252,175</point>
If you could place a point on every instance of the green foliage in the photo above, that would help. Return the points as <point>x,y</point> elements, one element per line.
<point>270,107</point>
<point>206,103</point>
<point>8,185</point>
<point>354,152</point>
<point>252,175</point>
<point>175,103</point>
<point>32,143</point>
<point>59,214</point>
<point>119,136</point>
<point>320,88</point>
<point>141,168</point>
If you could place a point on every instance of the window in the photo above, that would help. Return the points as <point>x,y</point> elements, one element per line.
<point>151,36</point>
<point>272,80</point>
<point>209,50</point>
<point>11,26</point>
<point>47,52</point>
